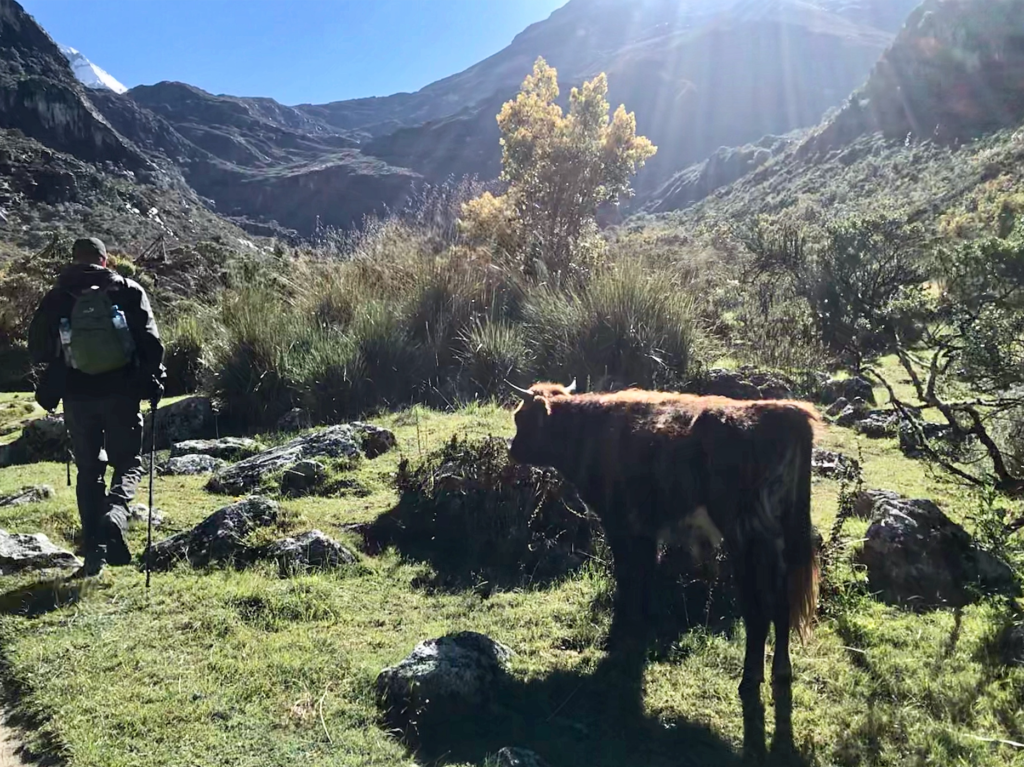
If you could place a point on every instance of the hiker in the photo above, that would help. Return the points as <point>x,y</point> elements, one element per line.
<point>96,333</point>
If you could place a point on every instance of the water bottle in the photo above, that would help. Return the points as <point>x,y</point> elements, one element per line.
<point>119,321</point>
<point>121,326</point>
<point>65,331</point>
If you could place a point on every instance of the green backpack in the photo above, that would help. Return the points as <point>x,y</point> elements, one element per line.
<point>96,338</point>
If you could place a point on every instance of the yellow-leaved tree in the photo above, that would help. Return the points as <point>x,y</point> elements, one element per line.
<point>558,167</point>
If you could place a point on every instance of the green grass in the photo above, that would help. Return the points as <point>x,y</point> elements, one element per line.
<point>244,668</point>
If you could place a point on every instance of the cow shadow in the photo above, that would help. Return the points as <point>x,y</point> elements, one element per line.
<point>576,718</point>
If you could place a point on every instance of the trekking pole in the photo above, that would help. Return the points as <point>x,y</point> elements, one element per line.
<point>152,462</point>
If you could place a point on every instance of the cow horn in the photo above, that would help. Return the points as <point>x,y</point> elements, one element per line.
<point>524,393</point>
<point>571,388</point>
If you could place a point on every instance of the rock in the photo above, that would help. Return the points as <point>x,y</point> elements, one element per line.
<point>849,389</point>
<point>20,552</point>
<point>218,539</point>
<point>225,448</point>
<point>188,419</point>
<point>27,495</point>
<point>345,441</point>
<point>294,420</point>
<point>43,439</point>
<point>309,551</point>
<point>747,383</point>
<point>916,556</point>
<point>138,514</point>
<point>837,407</point>
<point>833,465</point>
<point>303,478</point>
<point>856,411</point>
<point>877,424</point>
<point>1011,644</point>
<point>442,678</point>
<point>518,757</point>
<point>189,465</point>
<point>910,440</point>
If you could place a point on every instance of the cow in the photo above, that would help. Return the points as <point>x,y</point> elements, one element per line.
<point>648,462</point>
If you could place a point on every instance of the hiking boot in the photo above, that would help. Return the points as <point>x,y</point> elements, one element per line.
<point>93,565</point>
<point>118,553</point>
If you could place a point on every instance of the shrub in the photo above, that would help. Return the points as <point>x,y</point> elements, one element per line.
<point>391,359</point>
<point>183,355</point>
<point>628,327</point>
<point>493,351</point>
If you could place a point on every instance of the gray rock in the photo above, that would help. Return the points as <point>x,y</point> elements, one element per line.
<point>856,411</point>
<point>877,424</point>
<point>917,556</point>
<point>837,407</point>
<point>138,514</point>
<point>218,539</point>
<point>833,465</point>
<point>188,419</point>
<point>518,757</point>
<point>44,439</point>
<point>225,448</point>
<point>303,478</point>
<point>21,551</point>
<point>442,678</point>
<point>939,435</point>
<point>309,551</point>
<point>345,441</point>
<point>747,383</point>
<point>27,495</point>
<point>189,465</point>
<point>294,420</point>
<point>849,389</point>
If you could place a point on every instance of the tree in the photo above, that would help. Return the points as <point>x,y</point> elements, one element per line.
<point>559,169</point>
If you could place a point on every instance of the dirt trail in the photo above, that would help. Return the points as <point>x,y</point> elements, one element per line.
<point>8,747</point>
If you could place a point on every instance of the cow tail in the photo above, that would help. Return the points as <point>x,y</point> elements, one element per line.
<point>801,558</point>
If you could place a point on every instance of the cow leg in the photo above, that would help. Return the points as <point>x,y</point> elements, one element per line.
<point>635,564</point>
<point>756,623</point>
<point>782,675</point>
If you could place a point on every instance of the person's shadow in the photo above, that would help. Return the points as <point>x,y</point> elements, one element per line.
<point>42,597</point>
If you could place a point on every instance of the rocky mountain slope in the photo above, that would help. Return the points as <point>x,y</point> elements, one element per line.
<point>939,119</point>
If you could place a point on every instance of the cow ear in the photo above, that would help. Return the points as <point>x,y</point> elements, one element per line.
<point>571,388</point>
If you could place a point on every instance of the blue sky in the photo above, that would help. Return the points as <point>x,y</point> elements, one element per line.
<point>296,51</point>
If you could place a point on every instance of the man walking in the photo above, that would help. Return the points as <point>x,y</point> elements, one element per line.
<point>96,333</point>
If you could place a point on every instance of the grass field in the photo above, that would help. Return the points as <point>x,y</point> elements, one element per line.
<point>246,668</point>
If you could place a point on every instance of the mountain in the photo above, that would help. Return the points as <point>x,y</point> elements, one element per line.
<point>88,73</point>
<point>699,74</point>
<point>939,119</point>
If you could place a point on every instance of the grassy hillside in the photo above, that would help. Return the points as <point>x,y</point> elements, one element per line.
<point>240,668</point>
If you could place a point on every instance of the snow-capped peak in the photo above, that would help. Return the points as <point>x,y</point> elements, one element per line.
<point>88,73</point>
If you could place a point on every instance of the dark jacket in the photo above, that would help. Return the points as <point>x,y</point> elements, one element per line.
<point>142,379</point>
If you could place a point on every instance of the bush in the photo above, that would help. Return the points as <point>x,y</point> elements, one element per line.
<point>493,352</point>
<point>476,517</point>
<point>628,327</point>
<point>183,356</point>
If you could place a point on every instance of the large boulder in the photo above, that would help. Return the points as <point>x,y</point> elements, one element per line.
<point>849,389</point>
<point>349,440</point>
<point>832,465</point>
<point>43,439</point>
<point>518,757</point>
<point>303,478</point>
<point>309,551</point>
<point>218,539</point>
<point>21,551</point>
<point>877,424</point>
<point>917,556</point>
<point>27,495</point>
<point>225,448</point>
<point>138,515</point>
<point>746,383</point>
<point>857,410</point>
<point>442,679</point>
<point>188,419</point>
<point>191,465</point>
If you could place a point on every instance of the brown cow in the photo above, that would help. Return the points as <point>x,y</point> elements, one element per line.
<point>648,461</point>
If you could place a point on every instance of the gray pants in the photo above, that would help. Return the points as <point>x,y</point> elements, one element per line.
<point>113,424</point>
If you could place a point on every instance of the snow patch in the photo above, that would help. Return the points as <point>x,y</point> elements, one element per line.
<point>88,73</point>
